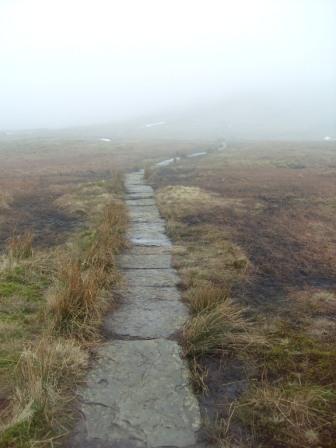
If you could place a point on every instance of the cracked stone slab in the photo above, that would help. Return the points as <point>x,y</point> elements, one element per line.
<point>151,277</point>
<point>149,250</point>
<point>147,319</point>
<point>148,235</point>
<point>154,227</point>
<point>139,189</point>
<point>143,293</point>
<point>132,261</point>
<point>150,241</point>
<point>140,202</point>
<point>144,214</point>
<point>138,395</point>
<point>148,232</point>
<point>139,195</point>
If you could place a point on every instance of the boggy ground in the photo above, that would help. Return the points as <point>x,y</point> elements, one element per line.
<point>254,227</point>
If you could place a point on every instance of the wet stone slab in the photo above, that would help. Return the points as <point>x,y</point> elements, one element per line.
<point>144,293</point>
<point>147,319</point>
<point>151,277</point>
<point>149,250</point>
<point>140,202</point>
<point>148,236</point>
<point>140,241</point>
<point>139,195</point>
<point>132,261</point>
<point>139,189</point>
<point>138,395</point>
<point>144,214</point>
<point>154,227</point>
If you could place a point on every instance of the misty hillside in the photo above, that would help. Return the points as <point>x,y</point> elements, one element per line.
<point>287,116</point>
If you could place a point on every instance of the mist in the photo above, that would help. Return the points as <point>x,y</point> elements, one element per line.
<point>263,68</point>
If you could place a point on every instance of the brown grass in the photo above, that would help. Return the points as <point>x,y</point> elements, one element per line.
<point>41,385</point>
<point>20,246</point>
<point>75,303</point>
<point>291,416</point>
<point>211,330</point>
<point>43,381</point>
<point>256,223</point>
<point>205,297</point>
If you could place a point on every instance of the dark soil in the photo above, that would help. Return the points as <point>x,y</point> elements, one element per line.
<point>37,213</point>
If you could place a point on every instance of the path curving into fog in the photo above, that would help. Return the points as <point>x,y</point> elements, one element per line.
<point>138,392</point>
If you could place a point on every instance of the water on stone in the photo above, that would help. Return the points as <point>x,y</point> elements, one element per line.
<point>138,392</point>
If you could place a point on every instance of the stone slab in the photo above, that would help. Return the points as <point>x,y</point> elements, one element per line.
<point>144,214</point>
<point>132,261</point>
<point>143,294</point>
<point>151,277</point>
<point>139,195</point>
<point>147,319</point>
<point>140,202</point>
<point>142,227</point>
<point>149,250</point>
<point>139,189</point>
<point>138,396</point>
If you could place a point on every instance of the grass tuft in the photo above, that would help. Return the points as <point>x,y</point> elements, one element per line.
<point>20,247</point>
<point>43,379</point>
<point>74,304</point>
<point>213,330</point>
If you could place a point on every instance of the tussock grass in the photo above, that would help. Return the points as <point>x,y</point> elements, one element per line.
<point>215,329</point>
<point>205,297</point>
<point>20,246</point>
<point>217,326</point>
<point>117,185</point>
<point>55,333</point>
<point>75,303</point>
<point>108,238</point>
<point>43,379</point>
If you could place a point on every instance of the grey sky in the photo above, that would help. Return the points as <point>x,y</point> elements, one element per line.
<point>70,62</point>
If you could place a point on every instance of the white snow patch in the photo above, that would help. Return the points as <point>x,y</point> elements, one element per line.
<point>197,154</point>
<point>157,123</point>
<point>105,139</point>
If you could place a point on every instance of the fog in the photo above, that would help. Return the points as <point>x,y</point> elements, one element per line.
<point>212,67</point>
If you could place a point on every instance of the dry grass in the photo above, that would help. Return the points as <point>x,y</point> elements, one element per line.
<point>217,326</point>
<point>75,303</point>
<point>43,381</point>
<point>218,330</point>
<point>21,246</point>
<point>117,182</point>
<point>44,346</point>
<point>205,297</point>
<point>5,200</point>
<point>291,415</point>
<point>255,222</point>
